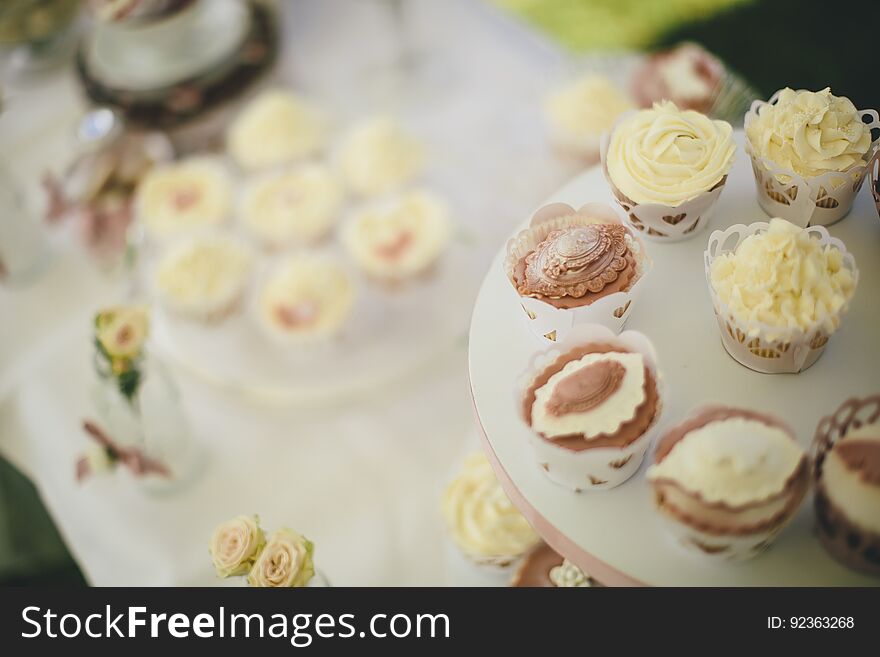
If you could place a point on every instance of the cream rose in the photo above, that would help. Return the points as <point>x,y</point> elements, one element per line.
<point>285,562</point>
<point>810,133</point>
<point>122,331</point>
<point>235,545</point>
<point>667,156</point>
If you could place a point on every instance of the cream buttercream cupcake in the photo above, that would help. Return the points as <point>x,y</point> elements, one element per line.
<point>779,293</point>
<point>847,477</point>
<point>183,197</point>
<point>308,297</point>
<point>579,112</point>
<point>666,168</point>
<point>480,518</point>
<point>543,567</point>
<point>204,278</point>
<point>377,156</point>
<point>275,128</point>
<point>810,152</point>
<point>728,480</point>
<point>399,239</point>
<point>592,404</point>
<point>291,207</point>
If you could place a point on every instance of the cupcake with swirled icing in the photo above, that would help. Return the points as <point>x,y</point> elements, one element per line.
<point>184,197</point>
<point>728,480</point>
<point>847,477</point>
<point>592,405</point>
<point>398,239</point>
<point>297,206</point>
<point>308,297</point>
<point>377,156</point>
<point>204,278</point>
<point>543,567</point>
<point>275,128</point>
<point>480,518</point>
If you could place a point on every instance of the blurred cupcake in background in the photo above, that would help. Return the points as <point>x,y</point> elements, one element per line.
<point>687,75</point>
<point>482,522</point>
<point>666,167</point>
<point>726,481</point>
<point>307,298</point>
<point>277,127</point>
<point>398,239</point>
<point>543,567</point>
<point>847,477</point>
<point>184,197</point>
<point>292,207</point>
<point>378,156</point>
<point>810,153</point>
<point>579,112</point>
<point>204,278</point>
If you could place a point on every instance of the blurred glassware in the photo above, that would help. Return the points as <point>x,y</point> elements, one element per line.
<point>39,31</point>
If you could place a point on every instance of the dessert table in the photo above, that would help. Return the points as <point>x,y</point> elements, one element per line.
<point>366,475</point>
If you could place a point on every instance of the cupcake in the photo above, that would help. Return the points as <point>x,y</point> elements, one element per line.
<point>874,169</point>
<point>847,477</point>
<point>481,520</point>
<point>687,75</point>
<point>727,481</point>
<point>309,297</point>
<point>573,267</point>
<point>204,278</point>
<point>592,405</point>
<point>285,208</point>
<point>543,567</point>
<point>779,292</point>
<point>277,127</point>
<point>398,239</point>
<point>378,157</point>
<point>666,167</point>
<point>810,152</point>
<point>579,112</point>
<point>184,197</point>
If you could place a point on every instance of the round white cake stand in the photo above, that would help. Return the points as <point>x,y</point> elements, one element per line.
<point>616,535</point>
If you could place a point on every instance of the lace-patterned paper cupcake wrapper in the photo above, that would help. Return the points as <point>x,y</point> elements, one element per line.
<point>874,170</point>
<point>664,223</point>
<point>850,544</point>
<point>546,321</point>
<point>816,201</point>
<point>598,468</point>
<point>761,347</point>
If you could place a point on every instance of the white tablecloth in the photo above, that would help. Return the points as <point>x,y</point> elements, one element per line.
<point>363,480</point>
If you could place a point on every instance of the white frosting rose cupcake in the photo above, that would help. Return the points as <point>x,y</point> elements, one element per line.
<point>277,127</point>
<point>666,168</point>
<point>285,208</point>
<point>399,239</point>
<point>184,197</point>
<point>481,520</point>
<point>728,480</point>
<point>779,292</point>
<point>204,278</point>
<point>579,112</point>
<point>377,156</point>
<point>309,297</point>
<point>847,478</point>
<point>810,152</point>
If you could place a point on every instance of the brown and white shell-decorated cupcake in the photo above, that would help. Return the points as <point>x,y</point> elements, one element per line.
<point>687,75</point>
<point>727,480</point>
<point>592,404</point>
<point>544,567</point>
<point>847,478</point>
<point>573,267</point>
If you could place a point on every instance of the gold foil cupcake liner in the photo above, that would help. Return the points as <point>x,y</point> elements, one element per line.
<point>664,223</point>
<point>598,468</point>
<point>547,322</point>
<point>815,201</point>
<point>846,542</point>
<point>761,347</point>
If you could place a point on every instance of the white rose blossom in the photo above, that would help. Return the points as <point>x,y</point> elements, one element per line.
<point>285,562</point>
<point>236,544</point>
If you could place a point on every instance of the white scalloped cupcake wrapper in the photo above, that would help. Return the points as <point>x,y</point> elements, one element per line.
<point>761,347</point>
<point>599,468</point>
<point>546,321</point>
<point>874,170</point>
<point>816,201</point>
<point>664,223</point>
